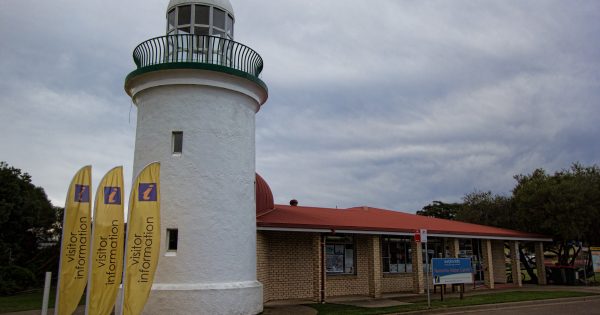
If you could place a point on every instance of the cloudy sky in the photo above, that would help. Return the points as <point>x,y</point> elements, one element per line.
<point>385,103</point>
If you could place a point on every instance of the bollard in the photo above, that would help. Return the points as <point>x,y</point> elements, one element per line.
<point>46,292</point>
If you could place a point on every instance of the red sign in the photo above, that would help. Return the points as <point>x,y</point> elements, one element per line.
<point>421,236</point>
<point>417,236</point>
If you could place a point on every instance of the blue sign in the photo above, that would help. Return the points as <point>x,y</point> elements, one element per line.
<point>82,193</point>
<point>451,270</point>
<point>112,195</point>
<point>147,192</point>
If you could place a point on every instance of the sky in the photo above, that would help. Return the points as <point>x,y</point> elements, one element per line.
<point>384,103</point>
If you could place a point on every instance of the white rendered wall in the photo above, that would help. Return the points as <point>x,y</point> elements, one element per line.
<point>207,192</point>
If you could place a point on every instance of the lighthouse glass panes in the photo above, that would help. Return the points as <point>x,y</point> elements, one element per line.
<point>200,20</point>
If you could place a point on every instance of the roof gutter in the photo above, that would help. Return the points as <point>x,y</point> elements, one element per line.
<point>506,238</point>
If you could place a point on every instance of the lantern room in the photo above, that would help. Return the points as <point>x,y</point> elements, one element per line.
<point>207,17</point>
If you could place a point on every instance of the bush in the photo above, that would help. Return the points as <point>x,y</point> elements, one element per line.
<point>14,279</point>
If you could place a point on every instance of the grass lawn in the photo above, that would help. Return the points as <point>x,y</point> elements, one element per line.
<point>27,301</point>
<point>491,298</point>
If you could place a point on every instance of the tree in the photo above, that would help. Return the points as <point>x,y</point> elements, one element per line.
<point>439,209</point>
<point>27,220</point>
<point>565,205</point>
<point>487,209</point>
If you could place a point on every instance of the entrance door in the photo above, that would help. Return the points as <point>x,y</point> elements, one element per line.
<point>471,248</point>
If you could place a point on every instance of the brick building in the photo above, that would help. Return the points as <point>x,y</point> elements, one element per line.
<point>315,253</point>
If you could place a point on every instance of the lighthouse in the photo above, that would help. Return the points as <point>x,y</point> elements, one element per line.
<point>197,92</point>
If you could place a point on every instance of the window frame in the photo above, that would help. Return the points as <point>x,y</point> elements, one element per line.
<point>404,240</point>
<point>436,248</point>
<point>341,241</point>
<point>170,232</point>
<point>174,135</point>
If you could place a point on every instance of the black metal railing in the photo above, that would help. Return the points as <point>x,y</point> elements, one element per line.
<point>197,49</point>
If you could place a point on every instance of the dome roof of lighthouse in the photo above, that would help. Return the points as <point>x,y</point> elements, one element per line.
<point>264,196</point>
<point>223,4</point>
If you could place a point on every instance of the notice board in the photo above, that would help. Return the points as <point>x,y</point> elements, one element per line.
<point>596,258</point>
<point>452,270</point>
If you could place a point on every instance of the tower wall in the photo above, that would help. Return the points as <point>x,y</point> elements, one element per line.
<point>207,191</point>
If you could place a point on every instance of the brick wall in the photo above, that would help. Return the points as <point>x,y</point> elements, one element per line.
<point>317,265</point>
<point>375,267</point>
<point>515,262</point>
<point>541,269</point>
<point>499,261</point>
<point>417,265</point>
<point>487,260</point>
<point>290,265</point>
<point>358,284</point>
<point>262,263</point>
<point>453,247</point>
<point>397,282</point>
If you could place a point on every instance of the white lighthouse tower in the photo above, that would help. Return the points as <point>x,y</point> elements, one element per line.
<point>197,92</point>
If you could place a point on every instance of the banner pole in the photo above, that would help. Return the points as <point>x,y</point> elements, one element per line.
<point>120,307</point>
<point>90,259</point>
<point>60,261</point>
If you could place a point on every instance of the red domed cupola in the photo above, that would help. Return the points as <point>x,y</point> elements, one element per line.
<point>264,196</point>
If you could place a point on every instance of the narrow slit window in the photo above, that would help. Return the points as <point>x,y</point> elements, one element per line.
<point>177,142</point>
<point>172,235</point>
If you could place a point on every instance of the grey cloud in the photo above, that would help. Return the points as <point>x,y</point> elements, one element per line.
<point>386,103</point>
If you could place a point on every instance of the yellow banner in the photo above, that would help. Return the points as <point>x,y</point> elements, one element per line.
<point>107,244</point>
<point>143,239</point>
<point>74,252</point>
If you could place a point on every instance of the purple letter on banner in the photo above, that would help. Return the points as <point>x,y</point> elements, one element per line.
<point>82,193</point>
<point>147,192</point>
<point>112,195</point>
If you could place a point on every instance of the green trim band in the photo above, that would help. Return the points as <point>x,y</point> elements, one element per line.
<point>196,65</point>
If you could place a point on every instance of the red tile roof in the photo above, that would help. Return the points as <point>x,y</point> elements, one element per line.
<point>378,221</point>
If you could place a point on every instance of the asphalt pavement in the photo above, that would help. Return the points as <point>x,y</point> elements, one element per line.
<point>568,306</point>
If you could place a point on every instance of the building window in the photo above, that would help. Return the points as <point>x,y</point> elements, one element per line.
<point>435,249</point>
<point>339,254</point>
<point>396,254</point>
<point>471,248</point>
<point>172,235</point>
<point>177,142</point>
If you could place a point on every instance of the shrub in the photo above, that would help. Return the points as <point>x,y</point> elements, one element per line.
<point>14,279</point>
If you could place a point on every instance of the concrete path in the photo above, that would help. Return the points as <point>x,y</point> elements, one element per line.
<point>374,303</point>
<point>289,310</point>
